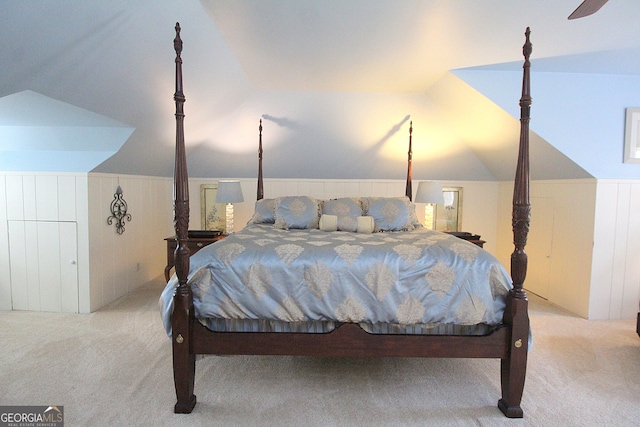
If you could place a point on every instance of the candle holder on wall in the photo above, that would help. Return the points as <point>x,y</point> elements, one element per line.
<point>118,211</point>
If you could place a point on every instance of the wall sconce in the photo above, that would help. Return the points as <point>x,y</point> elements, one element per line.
<point>429,192</point>
<point>229,192</point>
<point>118,211</point>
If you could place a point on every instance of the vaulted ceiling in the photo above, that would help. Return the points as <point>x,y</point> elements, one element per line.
<point>336,81</point>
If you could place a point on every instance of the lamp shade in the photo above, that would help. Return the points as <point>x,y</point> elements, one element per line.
<point>229,192</point>
<point>429,192</point>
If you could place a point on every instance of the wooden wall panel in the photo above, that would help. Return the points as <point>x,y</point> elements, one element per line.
<point>603,252</point>
<point>107,265</point>
<point>620,238</point>
<point>46,196</point>
<point>19,283</point>
<point>615,275</point>
<point>67,198</point>
<point>32,264</point>
<point>540,246</point>
<point>39,279</point>
<point>43,266</point>
<point>572,226</point>
<point>15,197</point>
<point>82,218</point>
<point>121,263</point>
<point>107,242</point>
<point>29,197</point>
<point>68,249</point>
<point>5,279</point>
<point>96,225</point>
<point>48,241</point>
<point>631,289</point>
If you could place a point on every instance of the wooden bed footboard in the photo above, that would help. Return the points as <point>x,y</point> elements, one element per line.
<point>508,343</point>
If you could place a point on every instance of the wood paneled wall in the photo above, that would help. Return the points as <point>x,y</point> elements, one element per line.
<point>121,263</point>
<point>45,233</point>
<point>61,255</point>
<point>593,258</point>
<point>615,276</point>
<point>585,236</point>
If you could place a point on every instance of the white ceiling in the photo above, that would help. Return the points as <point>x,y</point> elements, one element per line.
<point>407,45</point>
<point>115,58</point>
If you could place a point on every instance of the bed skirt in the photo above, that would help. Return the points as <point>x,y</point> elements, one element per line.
<point>321,327</point>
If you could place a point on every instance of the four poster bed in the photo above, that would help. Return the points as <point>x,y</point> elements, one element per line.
<point>315,278</point>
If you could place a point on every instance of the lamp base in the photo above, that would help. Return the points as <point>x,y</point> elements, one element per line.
<point>229,218</point>
<point>429,217</point>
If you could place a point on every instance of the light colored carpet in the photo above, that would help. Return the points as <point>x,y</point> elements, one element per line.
<point>113,367</point>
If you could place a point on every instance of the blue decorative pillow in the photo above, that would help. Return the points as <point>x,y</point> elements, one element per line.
<point>297,212</point>
<point>346,209</point>
<point>265,212</point>
<point>390,213</point>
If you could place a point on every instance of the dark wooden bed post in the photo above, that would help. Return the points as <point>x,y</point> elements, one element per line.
<point>260,184</point>
<point>408,188</point>
<point>184,362</point>
<point>513,369</point>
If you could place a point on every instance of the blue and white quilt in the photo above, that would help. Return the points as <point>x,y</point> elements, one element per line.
<point>418,277</point>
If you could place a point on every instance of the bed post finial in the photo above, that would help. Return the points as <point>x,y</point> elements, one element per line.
<point>177,42</point>
<point>408,188</point>
<point>260,194</point>
<point>527,47</point>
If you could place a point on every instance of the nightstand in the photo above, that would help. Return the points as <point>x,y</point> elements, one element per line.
<point>196,240</point>
<point>469,237</point>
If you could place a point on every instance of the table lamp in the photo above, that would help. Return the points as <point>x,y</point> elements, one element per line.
<point>429,192</point>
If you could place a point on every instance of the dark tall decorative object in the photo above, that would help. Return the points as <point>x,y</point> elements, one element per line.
<point>260,185</point>
<point>409,190</point>
<point>183,358</point>
<point>118,211</point>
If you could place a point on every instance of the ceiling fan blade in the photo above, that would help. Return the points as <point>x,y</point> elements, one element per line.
<point>586,8</point>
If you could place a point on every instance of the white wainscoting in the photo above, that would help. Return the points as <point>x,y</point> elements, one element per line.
<point>568,255</point>
<point>122,262</point>
<point>560,240</point>
<point>592,260</point>
<point>39,216</point>
<point>60,253</point>
<point>44,267</point>
<point>615,275</point>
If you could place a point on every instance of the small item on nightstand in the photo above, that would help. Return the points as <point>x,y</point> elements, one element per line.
<point>203,234</point>
<point>470,237</point>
